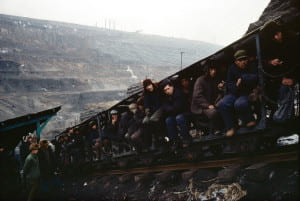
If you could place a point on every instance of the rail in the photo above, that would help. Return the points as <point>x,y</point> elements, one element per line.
<point>246,160</point>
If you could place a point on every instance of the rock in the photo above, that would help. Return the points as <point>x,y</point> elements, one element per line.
<point>205,175</point>
<point>288,9</point>
<point>165,176</point>
<point>124,178</point>
<point>232,192</point>
<point>123,163</point>
<point>142,177</point>
<point>258,172</point>
<point>188,175</point>
<point>228,174</point>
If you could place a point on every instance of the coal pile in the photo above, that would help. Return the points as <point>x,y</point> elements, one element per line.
<point>255,182</point>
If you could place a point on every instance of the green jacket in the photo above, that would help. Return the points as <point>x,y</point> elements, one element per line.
<point>32,167</point>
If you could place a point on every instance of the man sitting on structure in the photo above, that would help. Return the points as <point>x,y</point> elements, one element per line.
<point>241,80</point>
<point>281,60</point>
<point>94,141</point>
<point>174,107</point>
<point>207,92</point>
<point>134,133</point>
<point>111,131</point>
<point>152,120</point>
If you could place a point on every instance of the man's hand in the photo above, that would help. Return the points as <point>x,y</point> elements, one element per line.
<point>275,62</point>
<point>238,82</point>
<point>287,81</point>
<point>211,107</point>
<point>220,85</point>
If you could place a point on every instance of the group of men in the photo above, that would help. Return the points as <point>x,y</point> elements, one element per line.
<point>38,170</point>
<point>175,106</point>
<point>170,107</point>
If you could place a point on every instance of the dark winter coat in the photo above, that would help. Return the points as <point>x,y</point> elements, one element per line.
<point>249,79</point>
<point>24,150</point>
<point>175,104</point>
<point>93,136</point>
<point>46,162</point>
<point>205,93</point>
<point>112,132</point>
<point>32,167</point>
<point>152,100</point>
<point>77,141</point>
<point>136,121</point>
<point>288,52</point>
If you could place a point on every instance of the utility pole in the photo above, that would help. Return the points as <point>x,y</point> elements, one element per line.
<point>181,53</point>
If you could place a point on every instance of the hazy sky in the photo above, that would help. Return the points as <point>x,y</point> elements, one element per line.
<point>216,21</point>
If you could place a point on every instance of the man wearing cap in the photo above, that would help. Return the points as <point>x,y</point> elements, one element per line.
<point>241,80</point>
<point>174,107</point>
<point>32,170</point>
<point>111,131</point>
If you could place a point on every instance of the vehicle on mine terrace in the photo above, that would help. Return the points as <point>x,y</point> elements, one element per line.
<point>264,137</point>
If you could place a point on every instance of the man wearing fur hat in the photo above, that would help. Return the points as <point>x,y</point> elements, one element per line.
<point>32,171</point>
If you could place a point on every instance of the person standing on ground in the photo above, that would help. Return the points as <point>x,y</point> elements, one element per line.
<point>32,171</point>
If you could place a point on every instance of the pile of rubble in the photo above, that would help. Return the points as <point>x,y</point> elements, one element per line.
<point>256,182</point>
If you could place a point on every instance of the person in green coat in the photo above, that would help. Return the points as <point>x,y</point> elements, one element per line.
<point>32,170</point>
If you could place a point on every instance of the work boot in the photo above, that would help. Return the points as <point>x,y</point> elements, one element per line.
<point>230,132</point>
<point>250,124</point>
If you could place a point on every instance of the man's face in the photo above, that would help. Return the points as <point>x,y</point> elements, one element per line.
<point>133,108</point>
<point>150,88</point>
<point>114,117</point>
<point>169,90</point>
<point>71,131</point>
<point>278,37</point>
<point>212,72</point>
<point>35,151</point>
<point>94,127</point>
<point>185,82</point>
<point>242,63</point>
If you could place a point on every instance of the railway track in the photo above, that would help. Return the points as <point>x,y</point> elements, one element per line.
<point>241,160</point>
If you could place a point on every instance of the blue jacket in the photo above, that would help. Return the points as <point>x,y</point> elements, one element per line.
<point>175,104</point>
<point>249,79</point>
